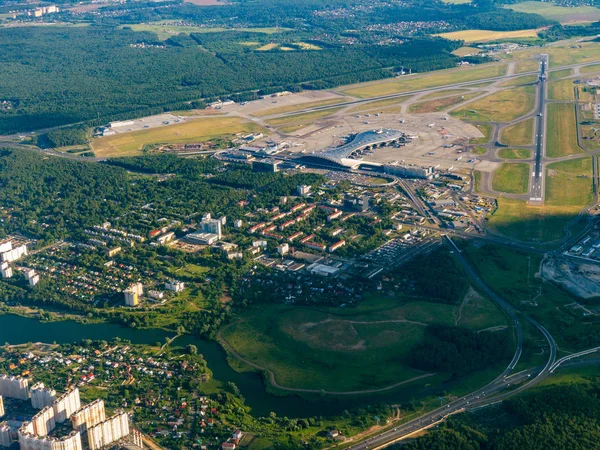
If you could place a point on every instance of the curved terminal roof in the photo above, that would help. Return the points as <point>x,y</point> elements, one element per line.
<point>340,155</point>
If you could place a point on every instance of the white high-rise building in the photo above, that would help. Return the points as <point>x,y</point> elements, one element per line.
<point>89,416</point>
<point>5,436</point>
<point>14,387</point>
<point>42,396</point>
<point>43,422</point>
<point>109,431</point>
<point>212,226</point>
<point>2,412</point>
<point>66,405</point>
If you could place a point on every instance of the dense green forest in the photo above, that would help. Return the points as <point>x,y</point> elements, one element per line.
<point>563,417</point>
<point>105,71</point>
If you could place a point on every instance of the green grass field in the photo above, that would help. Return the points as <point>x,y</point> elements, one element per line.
<point>514,153</point>
<point>296,107</point>
<point>198,130</point>
<point>563,54</point>
<point>440,104</point>
<point>561,131</point>
<point>525,79</point>
<point>569,183</point>
<point>544,301</point>
<point>561,90</point>
<point>348,349</point>
<point>560,13</point>
<point>520,133</point>
<point>502,106</point>
<point>560,74</point>
<point>486,130</point>
<point>512,178</point>
<point>527,65</point>
<point>429,80</point>
<point>590,69</point>
<point>301,119</point>
<point>388,105</point>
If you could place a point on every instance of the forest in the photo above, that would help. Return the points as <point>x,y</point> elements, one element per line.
<point>561,417</point>
<point>103,70</point>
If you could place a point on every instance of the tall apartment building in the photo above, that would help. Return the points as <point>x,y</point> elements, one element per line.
<point>43,422</point>
<point>14,387</point>
<point>89,416</point>
<point>212,226</point>
<point>5,436</point>
<point>30,441</point>
<point>6,270</point>
<point>133,293</point>
<point>174,285</point>
<point>14,253</point>
<point>65,405</point>
<point>109,431</point>
<point>2,412</point>
<point>42,396</point>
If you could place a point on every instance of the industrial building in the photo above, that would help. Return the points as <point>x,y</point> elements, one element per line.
<point>265,165</point>
<point>409,171</point>
<point>348,155</point>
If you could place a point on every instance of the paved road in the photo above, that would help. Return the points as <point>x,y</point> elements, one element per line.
<point>495,391</point>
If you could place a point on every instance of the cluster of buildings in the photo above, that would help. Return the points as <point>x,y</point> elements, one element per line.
<point>133,294</point>
<point>10,253</point>
<point>39,12</point>
<point>89,426</point>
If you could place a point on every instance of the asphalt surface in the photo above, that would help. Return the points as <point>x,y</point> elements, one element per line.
<point>537,187</point>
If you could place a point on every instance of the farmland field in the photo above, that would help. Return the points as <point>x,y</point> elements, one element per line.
<point>487,35</point>
<point>520,133</point>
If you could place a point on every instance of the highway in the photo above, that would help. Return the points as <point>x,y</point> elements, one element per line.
<point>537,186</point>
<point>496,391</point>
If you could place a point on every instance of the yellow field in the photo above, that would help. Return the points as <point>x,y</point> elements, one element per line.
<point>296,107</point>
<point>569,183</point>
<point>165,30</point>
<point>307,46</point>
<point>266,47</point>
<point>487,35</point>
<point>466,51</point>
<point>561,90</point>
<point>127,144</point>
<point>520,133</point>
<point>527,65</point>
<point>429,80</point>
<point>590,69</point>
<point>503,106</point>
